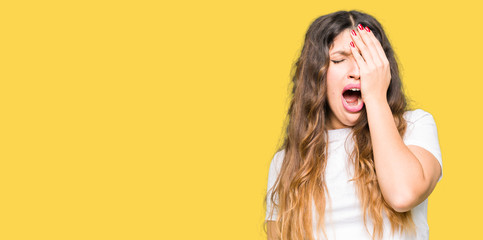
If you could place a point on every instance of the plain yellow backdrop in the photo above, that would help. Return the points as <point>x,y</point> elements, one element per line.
<point>158,120</point>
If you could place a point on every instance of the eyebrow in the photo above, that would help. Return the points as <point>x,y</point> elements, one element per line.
<point>342,52</point>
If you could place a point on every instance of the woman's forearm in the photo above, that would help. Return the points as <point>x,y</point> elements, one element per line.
<point>399,172</point>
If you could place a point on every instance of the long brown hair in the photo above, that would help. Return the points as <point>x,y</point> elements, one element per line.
<point>301,179</point>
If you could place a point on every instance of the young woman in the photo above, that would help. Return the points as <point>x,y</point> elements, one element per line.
<point>355,163</point>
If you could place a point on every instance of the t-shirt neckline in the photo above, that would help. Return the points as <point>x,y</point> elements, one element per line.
<point>338,134</point>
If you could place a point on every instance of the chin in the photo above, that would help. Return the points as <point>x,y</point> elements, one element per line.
<point>341,118</point>
<point>350,119</point>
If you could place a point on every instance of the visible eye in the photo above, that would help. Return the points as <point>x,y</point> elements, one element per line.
<point>334,61</point>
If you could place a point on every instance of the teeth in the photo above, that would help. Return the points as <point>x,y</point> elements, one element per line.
<point>355,89</point>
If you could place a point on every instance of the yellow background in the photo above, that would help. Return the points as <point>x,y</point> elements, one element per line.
<point>158,120</point>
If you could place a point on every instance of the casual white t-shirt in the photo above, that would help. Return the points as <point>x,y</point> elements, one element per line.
<point>344,219</point>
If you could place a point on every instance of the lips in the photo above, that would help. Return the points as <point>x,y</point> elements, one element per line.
<point>351,98</point>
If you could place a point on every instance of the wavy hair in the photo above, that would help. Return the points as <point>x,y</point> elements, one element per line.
<point>300,182</point>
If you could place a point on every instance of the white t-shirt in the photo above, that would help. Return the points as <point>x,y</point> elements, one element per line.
<point>344,219</point>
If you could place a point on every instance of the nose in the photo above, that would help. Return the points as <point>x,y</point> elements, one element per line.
<point>354,71</point>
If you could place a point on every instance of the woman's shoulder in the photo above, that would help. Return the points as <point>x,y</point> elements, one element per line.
<point>278,159</point>
<point>414,115</point>
<point>276,164</point>
<point>279,156</point>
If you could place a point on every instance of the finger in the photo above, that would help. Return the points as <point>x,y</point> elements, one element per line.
<point>361,63</point>
<point>366,54</point>
<point>371,46</point>
<point>377,44</point>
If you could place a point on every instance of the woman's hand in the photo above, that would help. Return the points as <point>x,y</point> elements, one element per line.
<point>373,65</point>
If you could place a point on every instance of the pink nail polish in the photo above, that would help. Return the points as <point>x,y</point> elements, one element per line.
<point>360,27</point>
<point>367,29</point>
<point>352,44</point>
<point>353,33</point>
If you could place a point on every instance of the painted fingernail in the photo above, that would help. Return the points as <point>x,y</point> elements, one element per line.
<point>360,27</point>
<point>352,44</point>
<point>367,29</point>
<point>353,33</point>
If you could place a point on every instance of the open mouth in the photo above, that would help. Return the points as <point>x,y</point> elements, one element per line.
<point>351,98</point>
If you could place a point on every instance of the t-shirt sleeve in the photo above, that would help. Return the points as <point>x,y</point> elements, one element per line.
<point>275,167</point>
<point>421,131</point>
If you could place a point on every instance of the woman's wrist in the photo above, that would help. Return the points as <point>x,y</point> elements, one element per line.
<point>375,101</point>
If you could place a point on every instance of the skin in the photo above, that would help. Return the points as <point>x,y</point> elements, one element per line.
<point>406,174</point>
<point>343,70</point>
<point>271,230</point>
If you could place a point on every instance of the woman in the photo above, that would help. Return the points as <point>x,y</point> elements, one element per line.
<point>355,163</point>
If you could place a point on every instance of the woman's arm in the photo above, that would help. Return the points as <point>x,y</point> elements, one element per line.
<point>406,174</point>
<point>271,230</point>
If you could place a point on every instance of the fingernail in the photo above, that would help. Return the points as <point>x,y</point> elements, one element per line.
<point>367,29</point>
<point>352,44</point>
<point>353,33</point>
<point>360,27</point>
